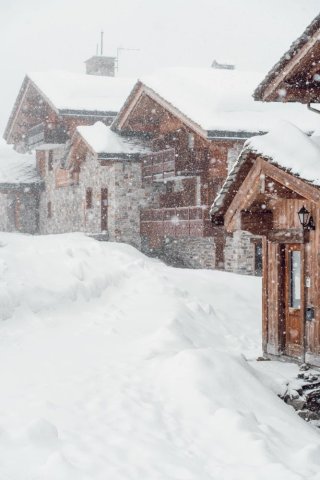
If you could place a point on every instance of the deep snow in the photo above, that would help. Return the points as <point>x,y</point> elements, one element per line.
<point>115,366</point>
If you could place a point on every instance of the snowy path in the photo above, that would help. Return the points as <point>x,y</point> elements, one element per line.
<point>115,366</point>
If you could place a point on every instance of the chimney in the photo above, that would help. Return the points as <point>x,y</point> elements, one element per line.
<point>100,65</point>
<point>222,66</point>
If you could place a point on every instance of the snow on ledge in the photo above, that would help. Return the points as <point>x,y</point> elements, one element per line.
<point>17,167</point>
<point>103,140</point>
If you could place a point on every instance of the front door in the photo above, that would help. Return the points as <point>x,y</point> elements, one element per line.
<point>293,300</point>
<point>104,209</point>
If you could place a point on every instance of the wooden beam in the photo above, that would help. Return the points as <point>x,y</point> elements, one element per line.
<point>290,68</point>
<point>290,181</point>
<point>244,195</point>
<point>130,108</point>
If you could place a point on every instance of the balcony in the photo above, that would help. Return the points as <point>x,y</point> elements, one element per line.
<point>40,134</point>
<point>158,166</point>
<point>176,222</point>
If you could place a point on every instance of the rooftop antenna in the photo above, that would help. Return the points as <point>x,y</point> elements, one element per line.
<point>120,49</point>
<point>101,43</point>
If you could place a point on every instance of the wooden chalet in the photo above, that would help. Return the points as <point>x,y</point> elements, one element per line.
<point>274,191</point>
<point>50,105</point>
<point>196,121</point>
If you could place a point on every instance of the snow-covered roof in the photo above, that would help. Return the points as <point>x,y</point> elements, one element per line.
<point>103,140</point>
<point>290,148</point>
<point>81,92</point>
<point>285,146</point>
<point>17,167</point>
<point>217,99</point>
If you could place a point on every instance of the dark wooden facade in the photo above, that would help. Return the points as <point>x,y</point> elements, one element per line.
<point>185,167</point>
<point>295,78</point>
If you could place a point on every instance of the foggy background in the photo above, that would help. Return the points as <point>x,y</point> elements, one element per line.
<point>62,34</point>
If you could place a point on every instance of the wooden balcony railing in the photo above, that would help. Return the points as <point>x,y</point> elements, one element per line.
<point>158,166</point>
<point>175,222</point>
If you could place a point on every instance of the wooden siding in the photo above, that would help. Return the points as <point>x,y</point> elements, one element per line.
<point>174,222</point>
<point>63,178</point>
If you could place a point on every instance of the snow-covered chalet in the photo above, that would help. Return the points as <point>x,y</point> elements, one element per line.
<point>273,190</point>
<point>140,163</point>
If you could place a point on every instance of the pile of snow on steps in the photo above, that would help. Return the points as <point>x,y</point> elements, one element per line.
<point>117,366</point>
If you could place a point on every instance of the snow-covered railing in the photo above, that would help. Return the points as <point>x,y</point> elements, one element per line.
<point>36,135</point>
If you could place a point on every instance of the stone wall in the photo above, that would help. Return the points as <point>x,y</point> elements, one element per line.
<point>239,253</point>
<point>19,210</point>
<point>188,252</point>
<point>69,212</point>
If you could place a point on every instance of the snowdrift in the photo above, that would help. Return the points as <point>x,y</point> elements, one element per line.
<point>117,366</point>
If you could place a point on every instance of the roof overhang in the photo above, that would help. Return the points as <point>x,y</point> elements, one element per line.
<point>296,77</point>
<point>243,186</point>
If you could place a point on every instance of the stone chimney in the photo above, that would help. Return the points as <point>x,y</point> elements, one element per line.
<point>100,65</point>
<point>222,66</point>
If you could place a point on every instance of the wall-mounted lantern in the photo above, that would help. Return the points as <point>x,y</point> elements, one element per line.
<point>306,219</point>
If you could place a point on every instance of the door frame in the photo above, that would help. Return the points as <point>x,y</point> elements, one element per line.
<point>274,299</point>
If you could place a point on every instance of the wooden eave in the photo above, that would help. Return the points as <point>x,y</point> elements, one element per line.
<point>300,54</point>
<point>16,108</point>
<point>137,93</point>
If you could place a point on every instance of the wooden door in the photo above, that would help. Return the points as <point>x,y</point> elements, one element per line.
<point>273,298</point>
<point>294,301</point>
<point>104,209</point>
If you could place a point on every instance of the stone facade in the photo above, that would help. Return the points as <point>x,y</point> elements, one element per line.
<point>19,209</point>
<point>239,253</point>
<point>65,208</point>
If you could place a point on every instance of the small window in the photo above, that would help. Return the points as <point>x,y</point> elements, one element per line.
<point>49,210</point>
<point>89,198</point>
<point>169,187</point>
<point>191,141</point>
<point>295,279</point>
<point>50,161</point>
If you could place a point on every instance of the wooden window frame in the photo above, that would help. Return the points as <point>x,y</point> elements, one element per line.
<point>50,160</point>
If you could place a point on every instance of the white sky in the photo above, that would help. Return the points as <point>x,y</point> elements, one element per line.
<point>61,34</point>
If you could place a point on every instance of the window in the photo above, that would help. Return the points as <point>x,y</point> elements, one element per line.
<point>258,258</point>
<point>50,161</point>
<point>190,141</point>
<point>89,198</point>
<point>295,279</point>
<point>169,187</point>
<point>49,210</point>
